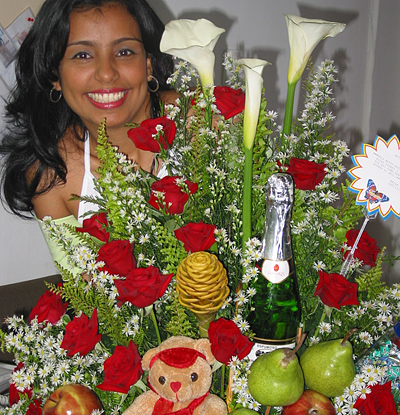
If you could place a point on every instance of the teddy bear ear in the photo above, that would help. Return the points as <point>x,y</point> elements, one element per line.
<point>204,346</point>
<point>146,359</point>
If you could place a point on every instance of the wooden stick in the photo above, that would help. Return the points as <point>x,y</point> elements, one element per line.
<point>229,391</point>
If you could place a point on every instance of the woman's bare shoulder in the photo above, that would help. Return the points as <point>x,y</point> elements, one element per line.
<point>54,195</point>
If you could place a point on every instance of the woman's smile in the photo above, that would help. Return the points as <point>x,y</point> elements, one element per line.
<point>109,99</point>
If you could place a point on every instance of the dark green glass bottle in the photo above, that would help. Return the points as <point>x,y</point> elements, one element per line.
<point>276,316</point>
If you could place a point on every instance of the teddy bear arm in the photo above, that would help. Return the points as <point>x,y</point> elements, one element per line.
<point>212,405</point>
<point>143,404</point>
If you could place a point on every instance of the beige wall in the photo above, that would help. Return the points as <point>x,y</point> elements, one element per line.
<point>9,10</point>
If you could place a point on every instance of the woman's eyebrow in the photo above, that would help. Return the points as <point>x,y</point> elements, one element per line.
<point>115,42</point>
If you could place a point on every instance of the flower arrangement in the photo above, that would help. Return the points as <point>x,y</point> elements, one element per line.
<point>127,284</point>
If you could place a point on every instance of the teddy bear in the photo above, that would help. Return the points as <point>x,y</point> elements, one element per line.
<point>179,380</point>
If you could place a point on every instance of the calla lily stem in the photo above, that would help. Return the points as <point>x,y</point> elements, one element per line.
<point>287,123</point>
<point>247,190</point>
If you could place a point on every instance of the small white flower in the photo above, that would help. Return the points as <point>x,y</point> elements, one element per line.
<point>244,326</point>
<point>325,327</point>
<point>251,292</point>
<point>241,298</point>
<point>366,337</point>
<point>364,391</point>
<point>143,239</point>
<point>319,266</point>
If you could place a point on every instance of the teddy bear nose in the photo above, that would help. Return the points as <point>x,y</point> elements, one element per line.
<point>175,386</point>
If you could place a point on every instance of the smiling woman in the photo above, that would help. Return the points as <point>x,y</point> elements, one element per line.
<point>83,61</point>
<point>106,73</point>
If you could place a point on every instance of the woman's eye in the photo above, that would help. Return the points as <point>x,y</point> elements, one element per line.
<point>126,52</point>
<point>81,55</point>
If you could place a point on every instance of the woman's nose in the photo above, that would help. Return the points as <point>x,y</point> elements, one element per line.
<point>106,70</point>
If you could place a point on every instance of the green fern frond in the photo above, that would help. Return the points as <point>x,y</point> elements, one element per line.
<point>170,249</point>
<point>83,237</point>
<point>370,284</point>
<point>180,324</point>
<point>2,340</point>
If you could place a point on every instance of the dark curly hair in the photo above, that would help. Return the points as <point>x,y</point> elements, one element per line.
<point>36,125</point>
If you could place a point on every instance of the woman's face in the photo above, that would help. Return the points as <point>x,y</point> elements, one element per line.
<point>105,70</point>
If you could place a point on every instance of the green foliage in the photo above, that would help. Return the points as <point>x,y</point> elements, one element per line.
<point>82,298</point>
<point>263,166</point>
<point>181,321</point>
<point>370,284</point>
<point>170,251</point>
<point>2,340</point>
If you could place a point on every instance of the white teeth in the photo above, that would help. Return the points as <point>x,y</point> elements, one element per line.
<point>107,98</point>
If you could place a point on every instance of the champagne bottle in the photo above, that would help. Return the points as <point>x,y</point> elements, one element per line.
<point>276,316</point>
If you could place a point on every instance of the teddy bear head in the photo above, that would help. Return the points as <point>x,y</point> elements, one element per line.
<point>179,369</point>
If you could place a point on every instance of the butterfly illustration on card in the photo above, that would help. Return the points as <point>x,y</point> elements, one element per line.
<point>372,194</point>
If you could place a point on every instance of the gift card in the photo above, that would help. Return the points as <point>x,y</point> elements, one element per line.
<point>377,177</point>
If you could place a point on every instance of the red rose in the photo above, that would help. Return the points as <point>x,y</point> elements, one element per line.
<point>142,286</point>
<point>367,249</point>
<point>196,236</point>
<point>14,395</point>
<point>81,335</point>
<point>227,341</point>
<point>335,291</point>
<point>96,226</point>
<point>175,196</point>
<point>50,307</point>
<point>229,101</point>
<point>35,408</point>
<point>144,136</point>
<point>122,370</point>
<point>306,174</point>
<point>118,257</point>
<point>379,402</point>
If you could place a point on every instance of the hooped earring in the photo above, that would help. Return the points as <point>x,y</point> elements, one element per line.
<point>153,78</point>
<point>51,96</point>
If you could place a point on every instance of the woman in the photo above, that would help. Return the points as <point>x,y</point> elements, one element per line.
<point>82,61</point>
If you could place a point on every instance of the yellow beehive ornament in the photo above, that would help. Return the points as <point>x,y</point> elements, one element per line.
<point>202,286</point>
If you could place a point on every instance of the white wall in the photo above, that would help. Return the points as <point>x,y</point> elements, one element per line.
<point>385,112</point>
<point>367,102</point>
<point>9,10</point>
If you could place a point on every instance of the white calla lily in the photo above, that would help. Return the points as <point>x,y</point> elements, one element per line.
<point>253,69</point>
<point>254,84</point>
<point>193,41</point>
<point>304,36</point>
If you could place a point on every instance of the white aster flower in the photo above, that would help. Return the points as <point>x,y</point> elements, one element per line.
<point>319,266</point>
<point>244,326</point>
<point>325,327</point>
<point>314,340</point>
<point>364,391</point>
<point>366,337</point>
<point>241,298</point>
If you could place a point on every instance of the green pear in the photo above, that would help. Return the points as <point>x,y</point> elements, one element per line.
<point>276,378</point>
<point>328,366</point>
